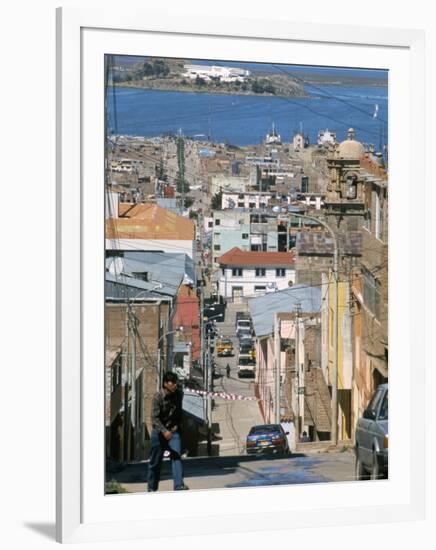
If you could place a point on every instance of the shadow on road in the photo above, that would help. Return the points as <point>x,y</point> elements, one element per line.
<point>196,467</point>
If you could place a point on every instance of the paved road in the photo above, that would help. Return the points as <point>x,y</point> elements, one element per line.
<point>232,420</point>
<point>246,471</point>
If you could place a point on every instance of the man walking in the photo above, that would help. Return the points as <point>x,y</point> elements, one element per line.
<point>228,370</point>
<point>166,415</point>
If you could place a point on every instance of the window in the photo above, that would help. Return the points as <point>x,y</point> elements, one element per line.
<point>142,275</point>
<point>241,204</point>
<point>245,235</point>
<point>260,272</point>
<point>259,289</point>
<point>375,401</point>
<point>210,224</point>
<point>237,272</point>
<point>280,272</point>
<point>378,230</point>
<point>384,409</point>
<point>251,205</point>
<point>116,373</point>
<point>351,187</point>
<point>217,247</point>
<point>371,292</point>
<point>217,221</point>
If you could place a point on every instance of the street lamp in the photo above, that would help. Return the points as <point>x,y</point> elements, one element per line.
<point>334,432</point>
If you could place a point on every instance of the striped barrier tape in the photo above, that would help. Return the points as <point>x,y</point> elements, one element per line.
<point>222,395</point>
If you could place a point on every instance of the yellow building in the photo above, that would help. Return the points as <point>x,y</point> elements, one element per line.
<point>345,356</point>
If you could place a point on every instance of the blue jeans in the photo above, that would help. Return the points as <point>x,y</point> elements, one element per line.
<point>158,446</point>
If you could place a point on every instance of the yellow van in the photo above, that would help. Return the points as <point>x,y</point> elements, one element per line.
<point>224,347</point>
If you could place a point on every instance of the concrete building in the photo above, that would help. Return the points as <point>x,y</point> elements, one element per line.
<point>258,230</point>
<point>314,248</point>
<point>344,344</point>
<point>357,202</point>
<point>326,138</point>
<point>233,199</point>
<point>218,72</point>
<point>276,326</point>
<point>143,340</point>
<point>369,291</point>
<point>137,318</point>
<point>187,317</point>
<point>223,182</point>
<point>230,229</point>
<point>298,142</point>
<point>245,274</point>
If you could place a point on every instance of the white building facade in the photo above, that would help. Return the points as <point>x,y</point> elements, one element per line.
<point>247,274</point>
<point>233,199</point>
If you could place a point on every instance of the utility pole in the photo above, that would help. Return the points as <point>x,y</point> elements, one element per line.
<point>133,370</point>
<point>126,390</point>
<point>297,370</point>
<point>209,399</point>
<point>334,427</point>
<point>334,432</point>
<point>181,163</point>
<point>277,331</point>
<point>205,365</point>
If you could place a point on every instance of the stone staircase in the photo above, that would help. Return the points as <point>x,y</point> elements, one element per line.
<point>317,409</point>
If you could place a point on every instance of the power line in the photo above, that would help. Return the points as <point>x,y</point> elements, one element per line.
<point>326,94</point>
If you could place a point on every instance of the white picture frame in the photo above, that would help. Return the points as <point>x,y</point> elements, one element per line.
<point>83,512</point>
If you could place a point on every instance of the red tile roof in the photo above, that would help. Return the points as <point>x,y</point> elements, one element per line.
<point>238,257</point>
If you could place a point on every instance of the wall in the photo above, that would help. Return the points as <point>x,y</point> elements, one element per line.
<point>249,281</point>
<point>177,246</point>
<point>221,182</point>
<point>150,317</point>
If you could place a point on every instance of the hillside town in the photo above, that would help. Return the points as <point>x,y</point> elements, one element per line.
<point>259,275</point>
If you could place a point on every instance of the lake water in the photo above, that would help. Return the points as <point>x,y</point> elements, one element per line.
<point>245,120</point>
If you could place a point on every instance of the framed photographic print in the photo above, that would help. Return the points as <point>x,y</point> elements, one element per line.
<point>237,335</point>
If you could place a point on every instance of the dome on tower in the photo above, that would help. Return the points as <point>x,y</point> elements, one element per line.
<point>350,148</point>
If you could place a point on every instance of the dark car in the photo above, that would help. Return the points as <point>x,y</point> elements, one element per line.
<point>267,438</point>
<point>372,437</point>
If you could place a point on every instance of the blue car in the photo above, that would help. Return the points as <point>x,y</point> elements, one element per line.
<point>267,439</point>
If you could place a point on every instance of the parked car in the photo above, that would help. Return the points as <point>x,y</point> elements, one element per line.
<point>372,439</point>
<point>246,366</point>
<point>267,438</point>
<point>245,332</point>
<point>246,347</point>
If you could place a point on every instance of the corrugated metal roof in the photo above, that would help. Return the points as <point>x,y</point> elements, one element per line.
<point>264,308</point>
<point>170,273</point>
<point>166,263</point>
<point>122,287</point>
<point>193,405</point>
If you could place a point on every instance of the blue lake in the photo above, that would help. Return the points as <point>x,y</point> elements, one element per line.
<point>245,120</point>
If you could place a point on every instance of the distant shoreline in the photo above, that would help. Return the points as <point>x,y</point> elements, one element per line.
<point>215,91</point>
<point>249,93</point>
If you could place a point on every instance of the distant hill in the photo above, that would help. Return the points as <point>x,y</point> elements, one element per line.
<point>168,74</point>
